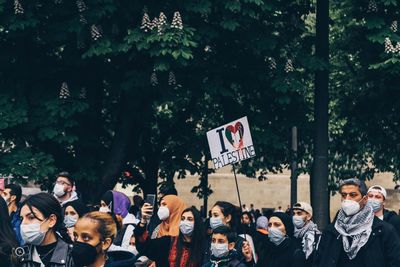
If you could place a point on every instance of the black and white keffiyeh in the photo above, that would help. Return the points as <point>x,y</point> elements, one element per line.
<point>358,227</point>
<point>307,234</point>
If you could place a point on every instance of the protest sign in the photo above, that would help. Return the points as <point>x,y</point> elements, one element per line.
<point>231,143</point>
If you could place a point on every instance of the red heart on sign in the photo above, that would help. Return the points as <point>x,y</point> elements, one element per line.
<point>234,134</point>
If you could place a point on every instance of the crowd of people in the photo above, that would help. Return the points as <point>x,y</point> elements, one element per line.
<point>59,230</point>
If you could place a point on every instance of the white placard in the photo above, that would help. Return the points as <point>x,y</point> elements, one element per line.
<point>231,143</point>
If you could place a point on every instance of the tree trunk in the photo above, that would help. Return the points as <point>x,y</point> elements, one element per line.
<point>319,174</point>
<point>123,136</point>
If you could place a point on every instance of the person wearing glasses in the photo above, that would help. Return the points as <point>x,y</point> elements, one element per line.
<point>64,189</point>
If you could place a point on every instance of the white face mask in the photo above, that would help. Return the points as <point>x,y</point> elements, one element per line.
<point>186,227</point>
<point>350,207</point>
<point>6,200</point>
<point>58,190</point>
<point>219,250</point>
<point>70,220</point>
<point>163,213</point>
<point>105,209</point>
<point>276,236</point>
<point>375,204</point>
<point>298,221</point>
<point>32,234</point>
<point>215,222</point>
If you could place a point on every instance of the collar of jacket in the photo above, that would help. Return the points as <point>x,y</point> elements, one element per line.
<point>59,256</point>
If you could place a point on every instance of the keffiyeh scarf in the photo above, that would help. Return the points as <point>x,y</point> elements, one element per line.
<point>307,234</point>
<point>357,227</point>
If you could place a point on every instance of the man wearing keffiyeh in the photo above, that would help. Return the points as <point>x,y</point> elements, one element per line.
<point>357,237</point>
<point>305,231</point>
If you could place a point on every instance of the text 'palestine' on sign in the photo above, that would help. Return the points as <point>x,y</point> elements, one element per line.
<point>231,143</point>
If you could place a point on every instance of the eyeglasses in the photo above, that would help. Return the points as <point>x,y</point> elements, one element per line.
<point>63,183</point>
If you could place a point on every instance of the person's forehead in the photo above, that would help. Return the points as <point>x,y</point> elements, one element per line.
<point>187,214</point>
<point>216,209</point>
<point>25,211</point>
<point>299,210</point>
<point>7,190</point>
<point>70,208</point>
<point>220,236</point>
<point>350,188</point>
<point>274,219</point>
<point>375,193</point>
<point>87,226</point>
<point>62,178</point>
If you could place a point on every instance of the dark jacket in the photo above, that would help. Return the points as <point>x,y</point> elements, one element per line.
<point>6,257</point>
<point>238,248</point>
<point>287,254</point>
<point>232,260</point>
<point>381,250</point>
<point>16,224</point>
<point>392,218</point>
<point>61,256</point>
<point>310,260</point>
<point>120,259</point>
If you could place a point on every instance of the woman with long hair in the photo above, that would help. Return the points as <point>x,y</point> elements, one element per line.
<point>93,236</point>
<point>44,234</point>
<point>225,213</point>
<point>185,249</point>
<point>8,240</point>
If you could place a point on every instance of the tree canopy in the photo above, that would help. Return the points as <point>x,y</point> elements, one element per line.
<point>126,90</point>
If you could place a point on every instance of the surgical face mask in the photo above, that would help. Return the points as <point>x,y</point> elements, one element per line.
<point>186,227</point>
<point>275,236</point>
<point>350,207</point>
<point>58,190</point>
<point>163,213</point>
<point>375,204</point>
<point>105,209</point>
<point>215,222</point>
<point>298,221</point>
<point>6,200</point>
<point>70,221</point>
<point>32,234</point>
<point>219,250</point>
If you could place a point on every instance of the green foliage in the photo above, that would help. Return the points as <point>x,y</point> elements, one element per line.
<point>158,89</point>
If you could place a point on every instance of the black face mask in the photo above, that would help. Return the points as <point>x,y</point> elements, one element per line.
<point>84,254</point>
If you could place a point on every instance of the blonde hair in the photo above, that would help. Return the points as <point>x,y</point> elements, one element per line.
<point>106,225</point>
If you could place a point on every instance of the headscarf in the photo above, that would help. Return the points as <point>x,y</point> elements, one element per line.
<point>120,203</point>
<point>170,226</point>
<point>78,206</point>
<point>287,221</point>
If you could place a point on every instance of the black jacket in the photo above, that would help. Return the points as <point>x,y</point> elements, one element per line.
<point>120,259</point>
<point>381,250</point>
<point>287,254</point>
<point>61,256</point>
<point>392,218</point>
